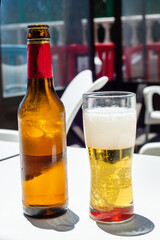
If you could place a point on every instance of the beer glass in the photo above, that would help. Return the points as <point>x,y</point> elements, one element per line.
<point>109,120</point>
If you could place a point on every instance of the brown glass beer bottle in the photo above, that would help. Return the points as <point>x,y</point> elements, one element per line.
<point>42,132</point>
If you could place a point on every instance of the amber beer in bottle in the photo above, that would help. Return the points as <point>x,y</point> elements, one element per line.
<point>41,121</point>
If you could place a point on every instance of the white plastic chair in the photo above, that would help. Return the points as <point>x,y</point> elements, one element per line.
<point>72,96</point>
<point>150,149</point>
<point>151,116</point>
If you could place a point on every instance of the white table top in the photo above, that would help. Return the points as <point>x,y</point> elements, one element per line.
<point>8,149</point>
<point>76,224</point>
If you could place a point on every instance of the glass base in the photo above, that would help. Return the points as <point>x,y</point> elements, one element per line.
<point>116,215</point>
<point>44,211</point>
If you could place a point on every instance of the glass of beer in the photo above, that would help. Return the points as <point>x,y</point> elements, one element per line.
<point>109,120</point>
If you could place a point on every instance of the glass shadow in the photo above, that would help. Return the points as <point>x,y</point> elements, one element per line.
<point>63,223</point>
<point>139,225</point>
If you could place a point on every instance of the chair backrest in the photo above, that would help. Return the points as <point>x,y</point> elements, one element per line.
<point>130,52</point>
<point>72,96</point>
<point>106,53</point>
<point>150,149</point>
<point>9,135</point>
<point>148,98</point>
<point>14,53</point>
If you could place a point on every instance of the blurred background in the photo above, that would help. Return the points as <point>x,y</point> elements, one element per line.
<point>116,38</point>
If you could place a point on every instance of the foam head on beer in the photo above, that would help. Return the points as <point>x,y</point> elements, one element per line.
<point>110,127</point>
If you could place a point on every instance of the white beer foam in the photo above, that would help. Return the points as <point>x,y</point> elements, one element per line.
<point>110,127</point>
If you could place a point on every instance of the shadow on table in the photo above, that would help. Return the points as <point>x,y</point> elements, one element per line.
<point>63,223</point>
<point>139,225</point>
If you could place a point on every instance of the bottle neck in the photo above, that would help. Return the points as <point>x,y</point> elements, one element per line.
<point>39,59</point>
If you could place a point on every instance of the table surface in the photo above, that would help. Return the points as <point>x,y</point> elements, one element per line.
<point>8,149</point>
<point>76,224</point>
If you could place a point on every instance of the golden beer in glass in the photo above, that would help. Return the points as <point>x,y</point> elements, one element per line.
<point>110,127</point>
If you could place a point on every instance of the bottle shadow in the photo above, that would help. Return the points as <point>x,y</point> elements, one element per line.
<point>63,223</point>
<point>139,225</point>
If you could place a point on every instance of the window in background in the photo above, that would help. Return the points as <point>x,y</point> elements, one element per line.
<point>70,46</point>
<point>141,40</point>
<point>69,31</point>
<point>140,23</point>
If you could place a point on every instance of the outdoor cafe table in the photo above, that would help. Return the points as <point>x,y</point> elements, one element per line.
<point>76,224</point>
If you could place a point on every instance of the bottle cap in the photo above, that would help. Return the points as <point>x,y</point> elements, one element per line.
<point>38,31</point>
